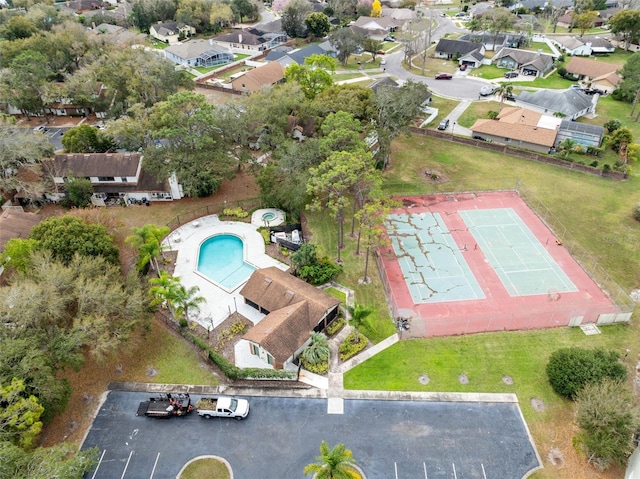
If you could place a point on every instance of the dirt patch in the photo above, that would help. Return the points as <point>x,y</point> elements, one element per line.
<point>537,405</point>
<point>463,378</point>
<point>435,176</point>
<point>423,379</point>
<point>555,457</point>
<point>507,380</point>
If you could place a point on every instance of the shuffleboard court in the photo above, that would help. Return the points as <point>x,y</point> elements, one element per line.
<point>521,262</point>
<point>430,259</point>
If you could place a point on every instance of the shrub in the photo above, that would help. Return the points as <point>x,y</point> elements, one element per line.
<point>492,114</point>
<point>636,213</point>
<point>570,369</point>
<point>606,168</point>
<point>339,323</point>
<point>265,235</point>
<point>349,349</point>
<point>612,125</point>
<point>321,367</point>
<point>183,323</point>
<point>594,164</point>
<point>235,212</point>
<point>606,414</point>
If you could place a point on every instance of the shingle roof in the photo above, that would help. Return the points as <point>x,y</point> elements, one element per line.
<point>260,77</point>
<point>591,68</point>
<point>456,46</point>
<point>95,164</point>
<point>570,43</point>
<point>568,102</point>
<point>16,224</point>
<point>242,37</point>
<point>541,61</point>
<point>295,309</point>
<point>383,22</point>
<point>194,48</point>
<point>519,124</point>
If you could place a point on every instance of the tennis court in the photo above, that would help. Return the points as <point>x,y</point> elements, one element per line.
<point>483,261</point>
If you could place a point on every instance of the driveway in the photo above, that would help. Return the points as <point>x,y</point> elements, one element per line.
<point>389,439</point>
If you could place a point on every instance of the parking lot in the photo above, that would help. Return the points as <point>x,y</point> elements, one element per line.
<point>389,439</point>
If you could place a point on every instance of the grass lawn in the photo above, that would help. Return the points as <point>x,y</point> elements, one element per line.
<point>345,76</point>
<point>336,293</point>
<point>478,110</point>
<point>619,56</point>
<point>542,46</point>
<point>610,109</point>
<point>489,72</point>
<point>206,467</point>
<point>552,81</point>
<point>445,106</point>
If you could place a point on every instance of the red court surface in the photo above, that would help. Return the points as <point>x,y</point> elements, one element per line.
<point>498,311</point>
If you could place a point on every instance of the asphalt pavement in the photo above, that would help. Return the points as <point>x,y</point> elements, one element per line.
<point>389,439</point>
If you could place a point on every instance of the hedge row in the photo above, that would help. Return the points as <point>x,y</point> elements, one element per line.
<point>231,371</point>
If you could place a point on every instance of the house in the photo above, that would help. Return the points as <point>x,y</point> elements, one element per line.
<point>288,56</point>
<point>583,134</point>
<point>114,176</point>
<point>527,62</point>
<point>479,9</point>
<point>377,27</point>
<point>250,40</point>
<point>401,14</point>
<point>596,74</point>
<point>494,42</point>
<point>261,77</point>
<point>16,223</point>
<point>117,35</point>
<point>585,46</point>
<point>566,21</point>
<point>466,52</point>
<point>198,53</point>
<point>521,128</point>
<point>571,104</point>
<point>293,310</point>
<point>171,32</point>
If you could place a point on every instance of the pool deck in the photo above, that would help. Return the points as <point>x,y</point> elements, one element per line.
<point>219,303</point>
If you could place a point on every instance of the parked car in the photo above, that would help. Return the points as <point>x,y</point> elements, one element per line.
<point>383,62</point>
<point>460,15</point>
<point>487,90</point>
<point>577,87</point>
<point>444,124</point>
<point>381,52</point>
<point>511,75</point>
<point>463,67</point>
<point>389,38</point>
<point>478,137</point>
<point>40,129</point>
<point>593,91</point>
<point>444,76</point>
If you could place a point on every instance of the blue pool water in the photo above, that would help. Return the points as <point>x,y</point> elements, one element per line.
<point>221,260</point>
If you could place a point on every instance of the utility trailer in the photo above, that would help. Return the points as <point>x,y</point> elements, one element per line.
<point>166,405</point>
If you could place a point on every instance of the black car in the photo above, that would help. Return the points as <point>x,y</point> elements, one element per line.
<point>443,124</point>
<point>511,75</point>
<point>593,91</point>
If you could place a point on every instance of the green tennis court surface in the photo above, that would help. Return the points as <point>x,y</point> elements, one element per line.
<point>522,263</point>
<point>431,262</point>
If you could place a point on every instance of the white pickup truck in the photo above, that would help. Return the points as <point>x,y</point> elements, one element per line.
<point>223,406</point>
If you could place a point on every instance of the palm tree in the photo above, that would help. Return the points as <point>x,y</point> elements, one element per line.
<point>358,314</point>
<point>148,241</point>
<point>567,145</point>
<point>336,463</point>
<point>318,350</point>
<point>187,299</point>
<point>505,90</point>
<point>164,289</point>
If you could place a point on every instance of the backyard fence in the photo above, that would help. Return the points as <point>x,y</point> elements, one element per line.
<point>213,209</point>
<point>520,153</point>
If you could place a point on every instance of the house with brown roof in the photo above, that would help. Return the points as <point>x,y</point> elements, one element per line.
<point>377,27</point>
<point>261,77</point>
<point>114,176</point>
<point>566,21</point>
<point>293,310</point>
<point>521,128</point>
<point>597,74</point>
<point>16,223</point>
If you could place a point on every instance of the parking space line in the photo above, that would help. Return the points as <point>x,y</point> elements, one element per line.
<point>455,476</point>
<point>126,465</point>
<point>424,465</point>
<point>153,471</point>
<point>98,466</point>
<point>484,475</point>
<point>395,466</point>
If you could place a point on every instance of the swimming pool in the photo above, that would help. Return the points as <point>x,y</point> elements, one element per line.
<point>221,260</point>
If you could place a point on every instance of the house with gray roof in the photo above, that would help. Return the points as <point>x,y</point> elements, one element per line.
<point>198,53</point>
<point>571,103</point>
<point>297,57</point>
<point>469,53</point>
<point>527,62</point>
<point>583,46</point>
<point>377,27</point>
<point>171,32</point>
<point>495,42</point>
<point>250,40</point>
<point>118,35</point>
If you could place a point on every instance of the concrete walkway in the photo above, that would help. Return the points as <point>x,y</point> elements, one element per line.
<point>454,127</point>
